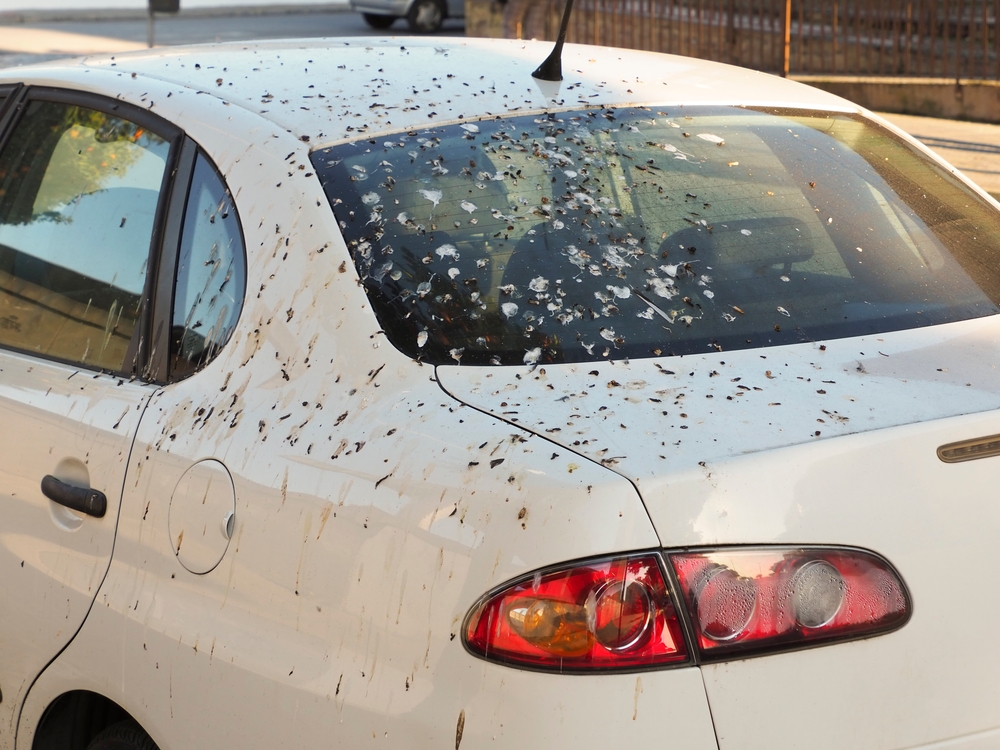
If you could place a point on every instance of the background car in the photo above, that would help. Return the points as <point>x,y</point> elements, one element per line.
<point>383,394</point>
<point>422,16</point>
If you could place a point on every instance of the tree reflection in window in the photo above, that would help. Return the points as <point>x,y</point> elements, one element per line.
<point>78,195</point>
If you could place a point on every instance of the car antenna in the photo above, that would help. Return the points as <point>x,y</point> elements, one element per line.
<point>551,68</point>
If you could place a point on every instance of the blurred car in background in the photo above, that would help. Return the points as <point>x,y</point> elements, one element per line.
<point>422,16</point>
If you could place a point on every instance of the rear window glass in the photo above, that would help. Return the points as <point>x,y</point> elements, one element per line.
<point>644,232</point>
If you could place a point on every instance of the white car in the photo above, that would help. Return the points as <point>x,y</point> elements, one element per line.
<point>422,16</point>
<point>377,394</point>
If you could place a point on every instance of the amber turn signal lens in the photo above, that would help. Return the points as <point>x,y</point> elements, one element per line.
<point>557,627</point>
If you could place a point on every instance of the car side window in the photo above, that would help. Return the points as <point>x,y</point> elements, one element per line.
<point>211,273</point>
<point>79,190</point>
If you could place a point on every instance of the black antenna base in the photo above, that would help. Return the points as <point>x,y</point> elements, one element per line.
<point>551,69</point>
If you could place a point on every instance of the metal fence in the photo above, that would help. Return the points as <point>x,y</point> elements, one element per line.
<point>930,38</point>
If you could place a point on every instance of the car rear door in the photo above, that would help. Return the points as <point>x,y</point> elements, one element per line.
<point>81,186</point>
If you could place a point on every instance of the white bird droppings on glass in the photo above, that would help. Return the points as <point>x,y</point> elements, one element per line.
<point>662,288</point>
<point>538,284</point>
<point>620,292</point>
<point>434,196</point>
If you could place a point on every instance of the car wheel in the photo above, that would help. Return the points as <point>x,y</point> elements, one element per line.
<point>378,21</point>
<point>425,16</point>
<point>125,735</point>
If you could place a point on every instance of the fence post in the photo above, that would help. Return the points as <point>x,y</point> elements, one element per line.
<point>731,32</point>
<point>909,36</point>
<point>836,54</point>
<point>786,52</point>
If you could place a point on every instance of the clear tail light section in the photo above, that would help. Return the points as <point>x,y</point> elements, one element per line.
<point>772,599</point>
<point>607,614</point>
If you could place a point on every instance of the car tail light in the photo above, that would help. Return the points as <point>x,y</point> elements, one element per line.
<point>743,600</point>
<point>619,613</point>
<point>608,614</point>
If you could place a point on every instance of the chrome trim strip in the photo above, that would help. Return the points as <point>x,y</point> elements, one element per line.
<point>970,450</point>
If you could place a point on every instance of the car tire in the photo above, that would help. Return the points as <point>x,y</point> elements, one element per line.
<point>125,735</point>
<point>425,16</point>
<point>378,21</point>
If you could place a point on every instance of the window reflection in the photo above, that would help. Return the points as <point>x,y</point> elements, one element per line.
<point>78,196</point>
<point>211,277</point>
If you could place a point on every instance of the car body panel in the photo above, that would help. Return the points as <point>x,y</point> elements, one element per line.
<point>712,406</point>
<point>937,522</point>
<point>349,452</point>
<point>446,90</point>
<point>440,93</point>
<point>349,525</point>
<point>742,474</point>
<point>77,426</point>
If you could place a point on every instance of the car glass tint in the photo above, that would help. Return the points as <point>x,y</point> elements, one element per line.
<point>211,273</point>
<point>642,232</point>
<point>78,196</point>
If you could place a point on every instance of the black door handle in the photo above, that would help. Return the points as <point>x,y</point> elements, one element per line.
<point>92,502</point>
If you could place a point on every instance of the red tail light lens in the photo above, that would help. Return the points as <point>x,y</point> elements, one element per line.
<point>609,614</point>
<point>765,599</point>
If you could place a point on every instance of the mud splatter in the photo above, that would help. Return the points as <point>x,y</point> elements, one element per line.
<point>460,729</point>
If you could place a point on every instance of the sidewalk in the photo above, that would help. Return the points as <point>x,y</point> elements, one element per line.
<point>29,42</point>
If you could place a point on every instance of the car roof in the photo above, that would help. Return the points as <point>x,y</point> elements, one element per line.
<point>328,91</point>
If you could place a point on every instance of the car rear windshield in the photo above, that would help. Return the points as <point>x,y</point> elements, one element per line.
<point>644,232</point>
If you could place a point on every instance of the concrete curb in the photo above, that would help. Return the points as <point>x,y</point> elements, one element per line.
<point>11,18</point>
<point>963,99</point>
